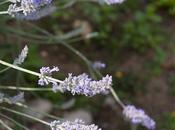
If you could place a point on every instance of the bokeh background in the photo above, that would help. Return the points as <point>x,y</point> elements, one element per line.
<point>134,39</point>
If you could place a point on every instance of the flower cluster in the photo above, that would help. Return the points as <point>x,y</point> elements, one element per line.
<point>82,84</point>
<point>138,116</point>
<point>46,71</point>
<point>26,6</point>
<point>75,125</point>
<point>98,65</point>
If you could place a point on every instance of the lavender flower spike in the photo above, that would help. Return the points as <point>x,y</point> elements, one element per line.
<point>21,57</point>
<point>26,6</point>
<point>36,15</point>
<point>75,125</point>
<point>82,84</point>
<point>138,116</point>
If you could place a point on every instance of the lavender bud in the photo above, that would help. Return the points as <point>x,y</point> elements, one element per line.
<point>98,65</point>
<point>21,56</point>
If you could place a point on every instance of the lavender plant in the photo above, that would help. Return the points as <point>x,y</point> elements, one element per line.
<point>81,84</point>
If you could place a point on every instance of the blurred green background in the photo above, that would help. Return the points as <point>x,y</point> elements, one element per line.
<point>134,39</point>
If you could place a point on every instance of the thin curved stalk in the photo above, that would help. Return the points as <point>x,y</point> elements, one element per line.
<point>5,125</point>
<point>15,122</point>
<point>30,35</point>
<point>25,88</point>
<point>5,69</point>
<point>39,29</point>
<point>25,115</point>
<point>42,113</point>
<point>67,5</point>
<point>4,2</point>
<point>3,12</point>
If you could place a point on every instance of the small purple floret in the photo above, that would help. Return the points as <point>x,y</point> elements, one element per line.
<point>46,71</point>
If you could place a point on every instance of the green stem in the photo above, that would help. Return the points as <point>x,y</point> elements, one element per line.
<point>25,115</point>
<point>25,89</point>
<point>5,69</point>
<point>3,12</point>
<point>5,125</point>
<point>34,110</point>
<point>116,97</point>
<point>6,1</point>
<point>15,122</point>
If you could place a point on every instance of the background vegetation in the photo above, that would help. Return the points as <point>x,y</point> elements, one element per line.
<point>134,39</point>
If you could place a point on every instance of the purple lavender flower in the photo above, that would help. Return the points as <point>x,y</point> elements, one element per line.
<point>75,125</point>
<point>82,84</point>
<point>36,15</point>
<point>46,71</point>
<point>98,65</point>
<point>138,116</point>
<point>27,6</point>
